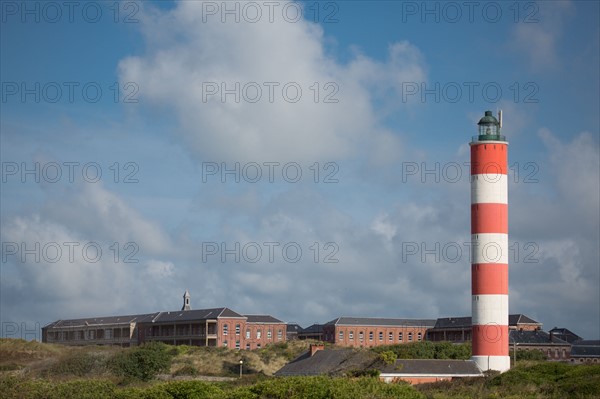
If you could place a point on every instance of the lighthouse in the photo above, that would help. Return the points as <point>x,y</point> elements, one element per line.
<point>489,245</point>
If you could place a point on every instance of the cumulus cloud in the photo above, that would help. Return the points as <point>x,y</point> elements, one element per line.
<point>86,250</point>
<point>333,118</point>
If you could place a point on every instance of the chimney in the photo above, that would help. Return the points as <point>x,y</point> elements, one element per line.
<point>314,348</point>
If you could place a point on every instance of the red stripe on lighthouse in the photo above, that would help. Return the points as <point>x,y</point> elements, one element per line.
<point>489,218</point>
<point>489,158</point>
<point>490,340</point>
<point>489,278</point>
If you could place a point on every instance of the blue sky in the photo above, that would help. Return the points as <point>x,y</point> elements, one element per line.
<point>390,96</point>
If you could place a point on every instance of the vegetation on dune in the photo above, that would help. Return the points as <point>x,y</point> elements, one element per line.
<point>35,370</point>
<point>427,350</point>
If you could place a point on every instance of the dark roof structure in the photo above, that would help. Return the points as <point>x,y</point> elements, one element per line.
<point>335,362</point>
<point>453,322</point>
<point>328,362</point>
<point>465,322</point>
<point>94,321</point>
<point>312,329</point>
<point>199,314</point>
<point>565,334</point>
<point>514,319</point>
<point>157,317</point>
<point>537,337</point>
<point>585,348</point>
<point>383,322</point>
<point>432,367</point>
<point>261,318</point>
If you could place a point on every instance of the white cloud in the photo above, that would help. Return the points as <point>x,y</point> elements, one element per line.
<point>536,38</point>
<point>190,53</point>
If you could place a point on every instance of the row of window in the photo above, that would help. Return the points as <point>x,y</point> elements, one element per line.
<point>237,345</point>
<point>258,332</point>
<point>390,336</point>
<point>84,335</point>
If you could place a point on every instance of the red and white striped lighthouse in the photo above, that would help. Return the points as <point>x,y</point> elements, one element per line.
<point>489,240</point>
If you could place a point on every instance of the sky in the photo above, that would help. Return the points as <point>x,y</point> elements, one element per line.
<point>307,160</point>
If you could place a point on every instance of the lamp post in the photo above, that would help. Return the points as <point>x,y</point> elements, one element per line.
<point>241,363</point>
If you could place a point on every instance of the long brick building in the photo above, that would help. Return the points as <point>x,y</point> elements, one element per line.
<point>369,331</point>
<point>221,327</point>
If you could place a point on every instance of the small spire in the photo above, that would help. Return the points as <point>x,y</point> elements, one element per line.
<point>186,301</point>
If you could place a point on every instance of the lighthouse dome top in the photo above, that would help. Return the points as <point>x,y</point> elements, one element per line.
<point>489,128</point>
<point>488,119</point>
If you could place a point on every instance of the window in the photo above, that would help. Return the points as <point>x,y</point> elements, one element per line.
<point>247,334</point>
<point>341,335</point>
<point>108,334</point>
<point>370,335</point>
<point>400,336</point>
<point>258,334</point>
<point>410,336</point>
<point>237,344</point>
<point>257,346</point>
<point>279,334</point>
<point>390,336</point>
<point>269,334</point>
<point>237,329</point>
<point>225,329</point>
<point>419,336</point>
<point>247,346</point>
<point>351,335</point>
<point>361,336</point>
<point>225,343</point>
<point>381,335</point>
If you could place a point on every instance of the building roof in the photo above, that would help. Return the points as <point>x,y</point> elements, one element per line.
<point>566,334</point>
<point>328,361</point>
<point>378,321</point>
<point>465,321</point>
<point>198,314</point>
<point>537,337</point>
<point>294,327</point>
<point>431,367</point>
<point>585,348</point>
<point>96,321</point>
<point>453,322</point>
<point>514,319</point>
<point>341,361</point>
<point>312,329</point>
<point>261,318</point>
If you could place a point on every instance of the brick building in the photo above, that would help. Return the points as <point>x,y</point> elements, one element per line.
<point>368,332</point>
<point>550,345</point>
<point>458,329</point>
<point>113,330</point>
<point>221,327</point>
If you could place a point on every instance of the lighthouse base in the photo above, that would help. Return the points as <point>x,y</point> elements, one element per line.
<point>498,363</point>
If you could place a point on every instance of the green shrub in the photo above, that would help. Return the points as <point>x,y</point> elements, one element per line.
<point>536,355</point>
<point>388,357</point>
<point>78,364</point>
<point>428,350</point>
<point>142,363</point>
<point>188,369</point>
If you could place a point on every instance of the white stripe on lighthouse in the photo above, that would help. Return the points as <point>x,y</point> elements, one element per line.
<point>489,310</point>
<point>489,188</point>
<point>489,248</point>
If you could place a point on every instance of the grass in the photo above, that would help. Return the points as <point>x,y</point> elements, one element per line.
<point>36,370</point>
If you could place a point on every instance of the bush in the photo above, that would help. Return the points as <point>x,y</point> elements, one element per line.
<point>186,370</point>
<point>142,363</point>
<point>428,350</point>
<point>388,357</point>
<point>535,354</point>
<point>79,364</point>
